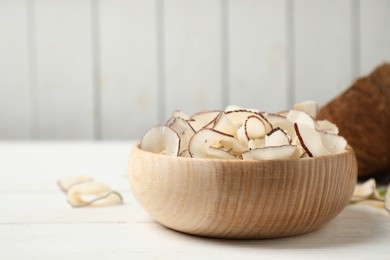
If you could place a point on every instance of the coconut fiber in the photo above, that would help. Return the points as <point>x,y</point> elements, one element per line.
<point>362,114</point>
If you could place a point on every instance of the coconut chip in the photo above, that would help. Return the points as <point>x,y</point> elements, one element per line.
<point>181,114</point>
<point>161,139</point>
<point>256,143</point>
<point>223,124</point>
<point>82,191</point>
<point>310,107</point>
<point>387,198</point>
<point>183,129</point>
<point>277,137</point>
<point>367,193</point>
<point>185,153</point>
<point>92,194</point>
<point>235,132</point>
<point>66,183</point>
<point>205,138</point>
<point>310,140</point>
<point>270,153</point>
<point>364,190</point>
<point>327,126</point>
<point>281,122</point>
<point>203,119</point>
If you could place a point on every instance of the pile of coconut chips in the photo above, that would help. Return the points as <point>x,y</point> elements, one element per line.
<point>248,134</point>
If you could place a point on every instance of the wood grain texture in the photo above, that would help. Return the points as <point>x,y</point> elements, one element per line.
<point>152,57</point>
<point>258,54</point>
<point>64,69</point>
<point>323,49</point>
<point>374,34</point>
<point>104,161</point>
<point>128,71</point>
<point>192,55</point>
<point>15,115</point>
<point>37,223</point>
<point>242,199</point>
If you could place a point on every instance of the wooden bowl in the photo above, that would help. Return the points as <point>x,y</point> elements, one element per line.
<point>242,199</point>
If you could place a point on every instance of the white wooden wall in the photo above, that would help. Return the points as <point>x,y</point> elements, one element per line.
<point>109,69</point>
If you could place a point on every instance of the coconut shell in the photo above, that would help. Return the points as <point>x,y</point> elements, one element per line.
<point>362,114</point>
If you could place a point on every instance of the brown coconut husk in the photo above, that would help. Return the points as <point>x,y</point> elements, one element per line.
<point>362,114</point>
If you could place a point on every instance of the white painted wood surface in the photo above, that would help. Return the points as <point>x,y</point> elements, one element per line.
<point>82,69</point>
<point>374,34</point>
<point>258,54</point>
<point>128,73</point>
<point>323,48</point>
<point>63,46</point>
<point>37,223</point>
<point>192,55</point>
<point>15,102</point>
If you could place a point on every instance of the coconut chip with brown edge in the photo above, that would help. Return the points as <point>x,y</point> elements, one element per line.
<point>369,194</point>
<point>246,133</point>
<point>83,191</point>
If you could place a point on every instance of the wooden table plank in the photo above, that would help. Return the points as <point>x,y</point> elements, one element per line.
<point>15,85</point>
<point>37,223</point>
<point>36,166</point>
<point>356,233</point>
<point>52,208</point>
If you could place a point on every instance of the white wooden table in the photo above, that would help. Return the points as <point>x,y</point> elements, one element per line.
<point>37,223</point>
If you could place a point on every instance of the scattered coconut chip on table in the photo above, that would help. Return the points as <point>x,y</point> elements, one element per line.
<point>365,190</point>
<point>66,183</point>
<point>92,194</point>
<point>374,203</point>
<point>387,198</point>
<point>82,191</point>
<point>367,193</point>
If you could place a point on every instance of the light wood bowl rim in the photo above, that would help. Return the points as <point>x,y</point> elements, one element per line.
<point>348,150</point>
<point>261,167</point>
